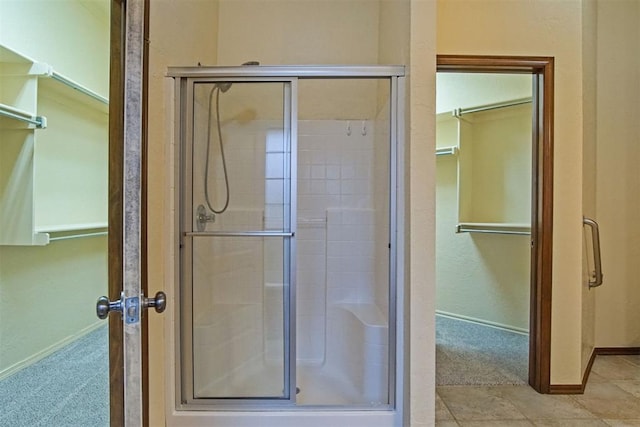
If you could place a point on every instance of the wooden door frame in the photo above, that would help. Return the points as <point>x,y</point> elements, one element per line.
<point>115,215</point>
<point>116,170</point>
<point>542,69</point>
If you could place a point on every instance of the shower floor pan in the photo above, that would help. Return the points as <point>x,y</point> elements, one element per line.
<point>317,385</point>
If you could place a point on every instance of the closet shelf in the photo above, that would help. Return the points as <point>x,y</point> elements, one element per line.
<point>494,228</point>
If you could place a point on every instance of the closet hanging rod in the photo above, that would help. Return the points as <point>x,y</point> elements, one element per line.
<point>494,228</point>
<point>38,122</point>
<point>487,231</point>
<point>460,111</point>
<point>62,79</point>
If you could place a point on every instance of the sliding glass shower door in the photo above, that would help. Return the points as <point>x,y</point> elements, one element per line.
<point>288,197</point>
<point>237,237</point>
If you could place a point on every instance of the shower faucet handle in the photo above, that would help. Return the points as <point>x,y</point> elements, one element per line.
<point>203,217</point>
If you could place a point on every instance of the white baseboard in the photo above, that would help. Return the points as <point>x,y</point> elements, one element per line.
<point>483,322</point>
<point>47,351</point>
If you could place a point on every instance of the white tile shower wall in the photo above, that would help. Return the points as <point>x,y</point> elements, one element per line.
<point>234,265</point>
<point>351,263</point>
<point>245,152</point>
<point>277,179</point>
<point>246,271</point>
<point>227,270</point>
<point>336,231</point>
<point>226,344</point>
<point>335,170</point>
<point>273,321</point>
<point>311,294</point>
<point>276,198</point>
<point>227,290</point>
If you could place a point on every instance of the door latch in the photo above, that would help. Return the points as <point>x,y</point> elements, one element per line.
<point>131,307</point>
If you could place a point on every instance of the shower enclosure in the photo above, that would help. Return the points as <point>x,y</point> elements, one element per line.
<point>288,193</point>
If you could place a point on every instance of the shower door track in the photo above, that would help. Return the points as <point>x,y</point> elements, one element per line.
<point>184,78</point>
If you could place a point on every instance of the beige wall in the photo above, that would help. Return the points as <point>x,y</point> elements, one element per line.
<point>169,45</point>
<point>72,36</point>
<point>465,90</point>
<point>589,39</point>
<point>548,28</point>
<point>420,215</point>
<point>281,33</point>
<point>618,179</point>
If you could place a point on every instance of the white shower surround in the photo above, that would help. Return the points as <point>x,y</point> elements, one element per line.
<point>342,329</point>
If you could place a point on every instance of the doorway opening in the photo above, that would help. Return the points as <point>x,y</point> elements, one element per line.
<point>483,227</point>
<point>509,219</point>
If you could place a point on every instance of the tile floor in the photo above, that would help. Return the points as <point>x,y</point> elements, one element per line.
<point>611,398</point>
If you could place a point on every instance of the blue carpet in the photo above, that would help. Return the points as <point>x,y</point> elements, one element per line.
<point>69,388</point>
<point>473,354</point>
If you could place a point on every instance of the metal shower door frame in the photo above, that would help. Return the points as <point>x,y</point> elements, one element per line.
<point>184,79</point>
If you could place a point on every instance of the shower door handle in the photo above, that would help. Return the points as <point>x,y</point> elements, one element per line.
<point>596,279</point>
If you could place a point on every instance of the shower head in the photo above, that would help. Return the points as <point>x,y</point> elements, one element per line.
<point>225,86</point>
